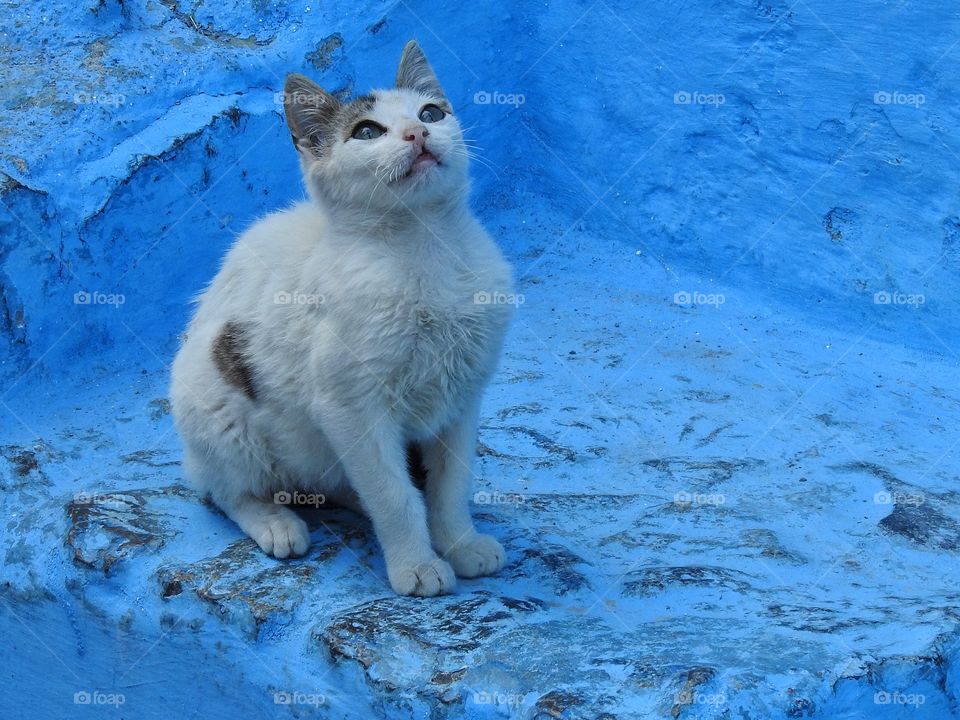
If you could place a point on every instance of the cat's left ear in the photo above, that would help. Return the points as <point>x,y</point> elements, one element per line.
<point>415,72</point>
<point>310,112</point>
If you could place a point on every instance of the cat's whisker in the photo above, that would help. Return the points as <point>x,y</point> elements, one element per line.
<point>480,160</point>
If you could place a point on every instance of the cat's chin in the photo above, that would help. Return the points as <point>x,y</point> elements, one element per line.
<point>422,167</point>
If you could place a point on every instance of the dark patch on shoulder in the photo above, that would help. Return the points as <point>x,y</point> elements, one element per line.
<point>230,356</point>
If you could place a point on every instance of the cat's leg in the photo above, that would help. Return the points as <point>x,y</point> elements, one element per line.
<point>373,457</point>
<point>276,528</point>
<point>448,458</point>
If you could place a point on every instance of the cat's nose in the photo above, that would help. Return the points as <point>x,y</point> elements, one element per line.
<point>418,132</point>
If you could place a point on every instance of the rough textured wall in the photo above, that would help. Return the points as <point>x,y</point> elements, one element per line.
<point>795,153</point>
<point>720,449</point>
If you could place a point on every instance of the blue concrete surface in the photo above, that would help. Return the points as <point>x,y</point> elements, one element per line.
<point>721,448</point>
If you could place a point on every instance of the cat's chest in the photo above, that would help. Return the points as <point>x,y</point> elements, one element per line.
<point>433,342</point>
<point>430,323</point>
<point>430,303</point>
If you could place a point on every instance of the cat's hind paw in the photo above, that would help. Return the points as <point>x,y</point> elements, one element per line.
<point>426,579</point>
<point>480,555</point>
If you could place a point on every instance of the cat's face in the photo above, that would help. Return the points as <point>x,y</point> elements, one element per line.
<point>393,147</point>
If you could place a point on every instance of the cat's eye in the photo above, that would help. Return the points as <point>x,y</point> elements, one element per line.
<point>367,130</point>
<point>431,114</point>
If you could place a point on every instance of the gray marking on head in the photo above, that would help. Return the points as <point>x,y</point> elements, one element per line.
<point>351,114</point>
<point>415,72</point>
<point>230,357</point>
<point>316,118</point>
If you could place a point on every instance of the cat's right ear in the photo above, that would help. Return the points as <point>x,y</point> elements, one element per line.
<point>310,111</point>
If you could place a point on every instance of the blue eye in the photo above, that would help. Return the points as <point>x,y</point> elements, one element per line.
<point>431,114</point>
<point>367,130</point>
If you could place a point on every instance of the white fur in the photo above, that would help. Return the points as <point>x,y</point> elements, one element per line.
<point>382,343</point>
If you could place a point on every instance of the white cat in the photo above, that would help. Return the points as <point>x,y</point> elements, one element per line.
<point>341,330</point>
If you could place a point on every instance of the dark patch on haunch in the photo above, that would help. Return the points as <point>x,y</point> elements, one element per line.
<point>230,356</point>
<point>415,466</point>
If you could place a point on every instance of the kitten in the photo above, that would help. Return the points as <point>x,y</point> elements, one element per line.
<point>342,330</point>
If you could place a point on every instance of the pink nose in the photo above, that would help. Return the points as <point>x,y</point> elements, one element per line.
<point>415,133</point>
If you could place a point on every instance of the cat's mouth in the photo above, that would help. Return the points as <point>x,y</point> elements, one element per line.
<point>422,163</point>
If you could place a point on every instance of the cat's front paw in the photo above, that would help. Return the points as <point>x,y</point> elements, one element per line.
<point>425,579</point>
<point>480,555</point>
<point>282,535</point>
